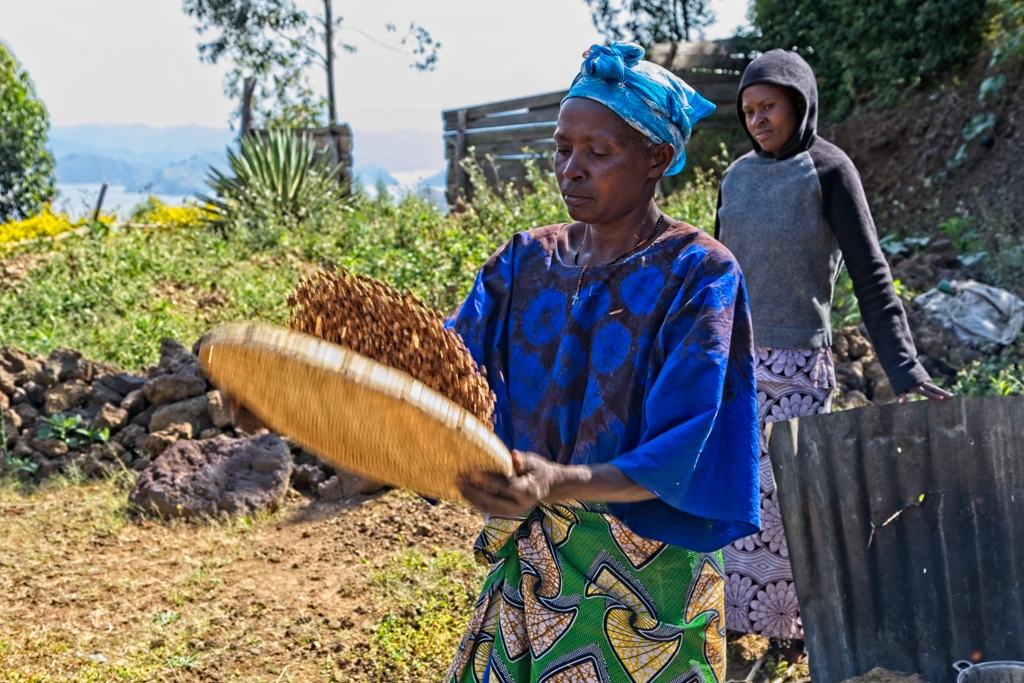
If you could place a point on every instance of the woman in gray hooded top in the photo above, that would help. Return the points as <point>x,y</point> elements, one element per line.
<point>792,211</point>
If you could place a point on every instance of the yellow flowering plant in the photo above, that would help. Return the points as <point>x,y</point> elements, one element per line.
<point>46,224</point>
<point>155,212</point>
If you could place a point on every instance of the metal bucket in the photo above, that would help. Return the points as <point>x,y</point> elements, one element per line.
<point>990,672</point>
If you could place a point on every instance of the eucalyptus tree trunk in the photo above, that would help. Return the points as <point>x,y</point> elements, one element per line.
<point>329,54</point>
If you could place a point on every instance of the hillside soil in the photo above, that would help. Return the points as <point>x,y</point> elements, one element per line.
<point>318,591</point>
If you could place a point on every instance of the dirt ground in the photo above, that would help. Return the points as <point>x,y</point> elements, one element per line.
<point>377,589</point>
<point>904,154</point>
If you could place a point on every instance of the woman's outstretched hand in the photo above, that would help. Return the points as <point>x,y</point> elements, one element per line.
<point>496,494</point>
<point>928,390</point>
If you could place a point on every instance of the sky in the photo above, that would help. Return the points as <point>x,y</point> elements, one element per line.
<point>135,61</point>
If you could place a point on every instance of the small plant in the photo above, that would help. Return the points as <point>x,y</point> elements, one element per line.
<point>280,181</point>
<point>990,379</point>
<point>69,429</point>
<point>165,618</point>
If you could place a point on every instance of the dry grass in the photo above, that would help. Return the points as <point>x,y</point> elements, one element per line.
<point>91,592</point>
<point>377,590</point>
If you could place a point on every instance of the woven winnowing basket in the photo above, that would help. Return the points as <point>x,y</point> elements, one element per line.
<point>353,412</point>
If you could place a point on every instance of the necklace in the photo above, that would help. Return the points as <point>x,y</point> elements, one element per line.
<point>576,257</point>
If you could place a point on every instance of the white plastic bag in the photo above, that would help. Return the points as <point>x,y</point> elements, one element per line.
<point>977,313</point>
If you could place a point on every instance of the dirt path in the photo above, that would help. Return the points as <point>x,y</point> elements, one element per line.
<point>374,590</point>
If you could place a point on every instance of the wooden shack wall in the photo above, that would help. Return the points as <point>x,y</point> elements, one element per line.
<point>498,132</point>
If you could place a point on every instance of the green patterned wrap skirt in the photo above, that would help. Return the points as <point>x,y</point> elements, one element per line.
<point>575,596</point>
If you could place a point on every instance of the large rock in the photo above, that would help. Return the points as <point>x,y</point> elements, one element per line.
<point>7,383</point>
<point>132,437</point>
<point>24,366</point>
<point>134,402</point>
<point>110,418</point>
<point>174,357</point>
<point>178,386</point>
<point>205,478</point>
<point>122,383</point>
<point>65,364</point>
<point>217,408</point>
<point>192,411</point>
<point>51,448</point>
<point>102,394</point>
<point>5,402</point>
<point>26,412</point>
<point>35,393</point>
<point>158,442</point>
<point>64,397</point>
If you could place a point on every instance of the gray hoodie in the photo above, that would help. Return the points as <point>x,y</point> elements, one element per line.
<point>792,219</point>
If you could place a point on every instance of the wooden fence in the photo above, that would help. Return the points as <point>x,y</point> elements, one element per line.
<point>500,130</point>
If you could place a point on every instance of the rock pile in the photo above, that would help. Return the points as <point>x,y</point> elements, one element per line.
<point>919,265</point>
<point>107,421</point>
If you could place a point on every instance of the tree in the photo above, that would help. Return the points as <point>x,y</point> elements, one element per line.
<point>651,21</point>
<point>870,52</point>
<point>274,42</point>
<point>26,167</point>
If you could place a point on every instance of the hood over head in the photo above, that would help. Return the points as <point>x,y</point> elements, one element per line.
<point>788,69</point>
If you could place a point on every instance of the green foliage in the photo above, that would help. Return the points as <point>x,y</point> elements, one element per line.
<point>845,308</point>
<point>70,430</point>
<point>26,168</point>
<point>868,53</point>
<point>279,182</point>
<point>1006,29</point>
<point>427,600</point>
<point>697,202</point>
<point>650,21</point>
<point>990,378</point>
<point>185,280</point>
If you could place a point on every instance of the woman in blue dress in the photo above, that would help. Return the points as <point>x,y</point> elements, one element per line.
<point>620,351</point>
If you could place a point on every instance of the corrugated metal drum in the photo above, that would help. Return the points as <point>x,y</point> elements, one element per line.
<point>905,527</point>
<point>990,672</point>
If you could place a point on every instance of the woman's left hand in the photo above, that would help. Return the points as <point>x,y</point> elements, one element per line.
<point>496,494</point>
<point>928,390</point>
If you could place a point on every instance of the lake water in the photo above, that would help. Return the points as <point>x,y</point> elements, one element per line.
<point>79,199</point>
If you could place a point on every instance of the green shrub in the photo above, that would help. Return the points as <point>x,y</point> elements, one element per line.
<point>279,183</point>
<point>870,52</point>
<point>26,168</point>
<point>990,378</point>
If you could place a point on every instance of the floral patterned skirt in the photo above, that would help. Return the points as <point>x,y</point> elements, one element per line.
<point>759,593</point>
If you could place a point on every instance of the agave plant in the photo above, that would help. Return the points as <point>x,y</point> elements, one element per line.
<point>278,178</point>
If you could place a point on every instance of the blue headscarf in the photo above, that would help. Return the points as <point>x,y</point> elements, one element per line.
<point>648,97</point>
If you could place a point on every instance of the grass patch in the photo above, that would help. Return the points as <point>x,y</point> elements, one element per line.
<point>427,602</point>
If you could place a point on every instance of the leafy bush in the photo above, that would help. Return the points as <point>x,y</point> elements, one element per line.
<point>26,168</point>
<point>45,224</point>
<point>990,378</point>
<point>869,52</point>
<point>280,182</point>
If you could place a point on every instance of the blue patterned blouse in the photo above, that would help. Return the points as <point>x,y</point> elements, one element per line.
<point>651,369</point>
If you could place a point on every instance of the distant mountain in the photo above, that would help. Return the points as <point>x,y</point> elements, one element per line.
<point>184,177</point>
<point>175,160</point>
<point>94,168</point>
<point>371,175</point>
